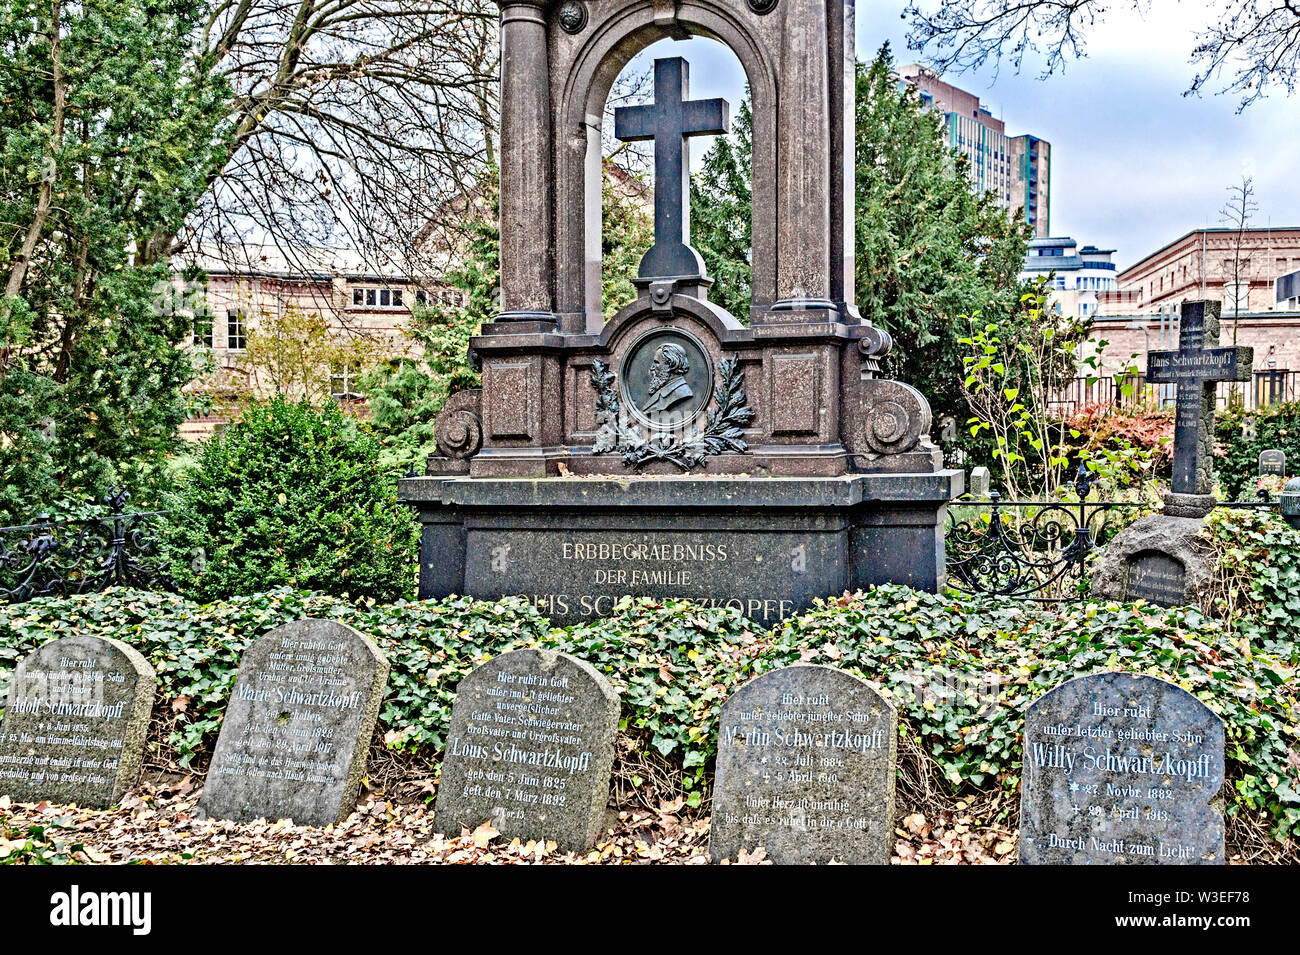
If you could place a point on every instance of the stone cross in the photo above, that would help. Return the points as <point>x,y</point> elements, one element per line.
<point>669,121</point>
<point>1197,366</point>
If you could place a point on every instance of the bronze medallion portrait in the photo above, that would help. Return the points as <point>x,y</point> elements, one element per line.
<point>667,379</point>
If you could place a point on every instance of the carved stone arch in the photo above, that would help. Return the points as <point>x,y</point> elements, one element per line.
<point>721,324</point>
<point>609,43</point>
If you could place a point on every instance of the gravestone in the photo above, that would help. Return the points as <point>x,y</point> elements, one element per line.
<point>1121,769</point>
<point>758,461</point>
<point>980,480</point>
<point>530,749</point>
<point>1159,557</point>
<point>1272,462</point>
<point>298,725</point>
<point>75,722</point>
<point>806,769</point>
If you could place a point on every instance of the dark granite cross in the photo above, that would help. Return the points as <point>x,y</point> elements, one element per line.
<point>669,120</point>
<point>1197,367</point>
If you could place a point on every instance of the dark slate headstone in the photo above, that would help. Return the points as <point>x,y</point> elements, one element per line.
<point>296,731</point>
<point>75,722</point>
<point>1158,559</point>
<point>806,769</point>
<point>1120,769</point>
<point>1157,577</point>
<point>1272,461</point>
<point>530,750</point>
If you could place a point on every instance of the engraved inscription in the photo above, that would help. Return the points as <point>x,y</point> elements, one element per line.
<point>1157,577</point>
<point>805,769</point>
<point>577,575</point>
<point>529,749</point>
<point>1121,769</point>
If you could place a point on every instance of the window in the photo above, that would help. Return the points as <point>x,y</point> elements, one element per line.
<point>203,329</point>
<point>1270,387</point>
<point>343,382</point>
<point>379,298</point>
<point>236,334</point>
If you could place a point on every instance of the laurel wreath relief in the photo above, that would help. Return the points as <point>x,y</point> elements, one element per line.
<point>723,429</point>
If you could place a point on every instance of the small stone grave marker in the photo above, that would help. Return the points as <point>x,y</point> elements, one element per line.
<point>294,739</point>
<point>806,769</point>
<point>75,722</point>
<point>1157,577</point>
<point>530,750</point>
<point>1121,769</point>
<point>1272,461</point>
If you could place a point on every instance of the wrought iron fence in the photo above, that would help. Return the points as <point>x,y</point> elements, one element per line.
<point>1268,387</point>
<point>1036,550</point>
<point>82,555</point>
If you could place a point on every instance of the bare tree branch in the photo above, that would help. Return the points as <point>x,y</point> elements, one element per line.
<point>1248,47</point>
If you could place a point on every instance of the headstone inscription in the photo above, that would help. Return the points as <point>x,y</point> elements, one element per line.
<point>1158,557</point>
<point>1272,462</point>
<point>806,769</point>
<point>1157,577</point>
<point>75,722</point>
<point>530,750</point>
<point>296,731</point>
<point>1121,769</point>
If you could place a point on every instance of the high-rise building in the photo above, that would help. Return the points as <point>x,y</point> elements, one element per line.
<point>1077,275</point>
<point>1016,169</point>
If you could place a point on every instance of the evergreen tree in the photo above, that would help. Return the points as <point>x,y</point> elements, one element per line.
<point>111,132</point>
<point>721,224</point>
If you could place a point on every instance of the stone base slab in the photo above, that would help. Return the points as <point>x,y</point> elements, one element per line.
<point>765,546</point>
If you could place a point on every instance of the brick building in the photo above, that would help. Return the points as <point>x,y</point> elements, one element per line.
<point>248,285</point>
<point>1208,263</point>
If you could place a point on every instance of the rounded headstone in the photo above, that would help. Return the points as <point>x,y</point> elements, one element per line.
<point>294,738</point>
<point>806,758</point>
<point>75,722</point>
<point>530,750</point>
<point>1121,769</point>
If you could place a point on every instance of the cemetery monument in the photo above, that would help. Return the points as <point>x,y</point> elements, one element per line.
<point>806,769</point>
<point>530,749</point>
<point>294,739</point>
<point>676,450</point>
<point>1158,558</point>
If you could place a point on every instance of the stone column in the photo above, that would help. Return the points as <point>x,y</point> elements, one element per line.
<point>803,161</point>
<point>527,188</point>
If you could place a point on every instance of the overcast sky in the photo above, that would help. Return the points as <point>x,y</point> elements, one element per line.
<point>1135,164</point>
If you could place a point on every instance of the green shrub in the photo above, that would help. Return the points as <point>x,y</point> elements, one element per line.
<point>292,496</point>
<point>1257,576</point>
<point>1236,458</point>
<point>961,670</point>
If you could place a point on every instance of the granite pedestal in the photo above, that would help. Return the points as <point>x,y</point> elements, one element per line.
<point>765,546</point>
